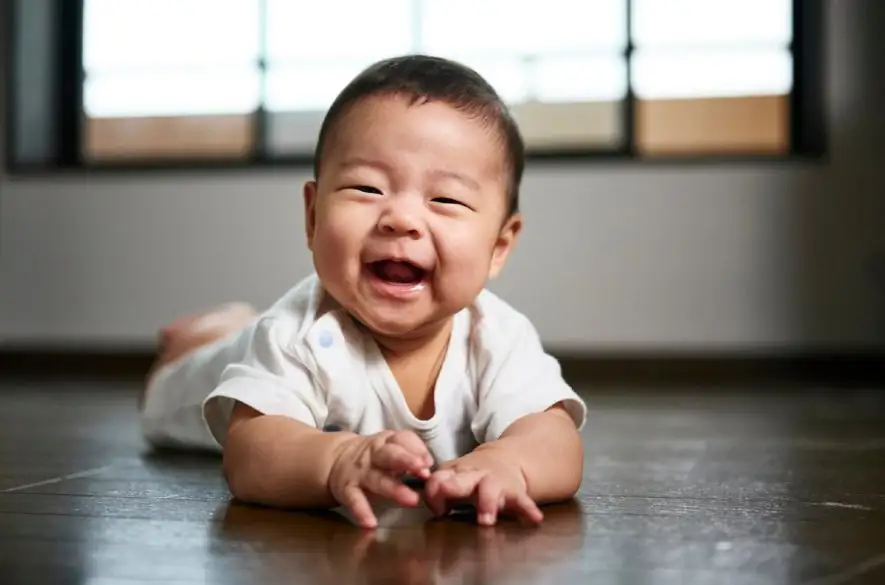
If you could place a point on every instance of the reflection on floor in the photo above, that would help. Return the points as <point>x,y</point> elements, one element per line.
<point>749,486</point>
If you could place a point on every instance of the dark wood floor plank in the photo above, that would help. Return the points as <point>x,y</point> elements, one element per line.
<point>727,488</point>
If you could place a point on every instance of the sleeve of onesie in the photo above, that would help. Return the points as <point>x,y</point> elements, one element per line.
<point>269,379</point>
<point>520,378</point>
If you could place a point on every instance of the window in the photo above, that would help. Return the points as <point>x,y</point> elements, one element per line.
<point>714,79</point>
<point>248,81</point>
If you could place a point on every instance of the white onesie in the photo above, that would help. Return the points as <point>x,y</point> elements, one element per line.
<point>307,359</point>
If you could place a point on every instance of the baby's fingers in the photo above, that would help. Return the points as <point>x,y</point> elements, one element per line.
<point>433,494</point>
<point>395,459</point>
<point>522,505</point>
<point>413,444</point>
<point>489,499</point>
<point>461,485</point>
<point>446,486</point>
<point>355,500</point>
<point>389,487</point>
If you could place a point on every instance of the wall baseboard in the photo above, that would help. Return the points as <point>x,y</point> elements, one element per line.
<point>812,369</point>
<point>79,363</point>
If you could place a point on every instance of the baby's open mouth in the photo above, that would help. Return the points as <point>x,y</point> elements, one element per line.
<point>400,272</point>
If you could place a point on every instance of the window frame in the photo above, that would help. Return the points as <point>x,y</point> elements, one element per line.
<point>806,102</point>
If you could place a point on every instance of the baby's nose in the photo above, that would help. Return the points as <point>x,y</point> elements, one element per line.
<point>399,221</point>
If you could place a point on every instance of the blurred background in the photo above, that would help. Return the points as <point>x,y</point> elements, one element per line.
<point>704,176</point>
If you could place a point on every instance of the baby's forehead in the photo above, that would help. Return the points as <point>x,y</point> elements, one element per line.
<point>394,111</point>
<point>371,125</point>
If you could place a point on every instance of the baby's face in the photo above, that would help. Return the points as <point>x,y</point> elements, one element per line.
<point>408,219</point>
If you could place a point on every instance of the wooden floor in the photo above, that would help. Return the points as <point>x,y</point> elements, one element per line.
<point>729,487</point>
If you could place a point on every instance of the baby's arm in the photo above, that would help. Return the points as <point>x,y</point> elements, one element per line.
<point>537,460</point>
<point>267,413</point>
<point>279,461</point>
<point>547,449</point>
<point>527,424</point>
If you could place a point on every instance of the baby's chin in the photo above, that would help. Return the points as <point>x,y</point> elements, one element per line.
<point>398,324</point>
<point>394,326</point>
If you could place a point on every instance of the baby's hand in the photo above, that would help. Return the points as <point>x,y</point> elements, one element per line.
<point>489,483</point>
<point>374,465</point>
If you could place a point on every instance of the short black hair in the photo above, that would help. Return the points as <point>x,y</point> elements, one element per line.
<point>425,78</point>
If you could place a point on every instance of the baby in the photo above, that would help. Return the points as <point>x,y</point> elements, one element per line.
<point>392,360</point>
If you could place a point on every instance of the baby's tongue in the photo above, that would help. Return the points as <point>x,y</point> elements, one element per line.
<point>398,272</point>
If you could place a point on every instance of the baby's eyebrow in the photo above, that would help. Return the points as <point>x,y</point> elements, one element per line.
<point>467,181</point>
<point>365,162</point>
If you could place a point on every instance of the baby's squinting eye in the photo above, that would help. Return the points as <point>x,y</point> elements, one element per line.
<point>368,189</point>
<point>448,201</point>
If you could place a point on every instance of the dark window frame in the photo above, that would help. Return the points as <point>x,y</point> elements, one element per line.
<point>807,135</point>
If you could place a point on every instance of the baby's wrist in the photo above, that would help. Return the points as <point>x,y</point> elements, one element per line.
<point>496,455</point>
<point>340,447</point>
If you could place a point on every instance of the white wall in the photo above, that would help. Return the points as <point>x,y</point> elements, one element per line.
<point>663,256</point>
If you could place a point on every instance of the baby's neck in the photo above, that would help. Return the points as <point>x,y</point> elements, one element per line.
<point>415,363</point>
<point>431,339</point>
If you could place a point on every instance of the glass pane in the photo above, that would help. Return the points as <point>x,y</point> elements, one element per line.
<point>339,29</point>
<point>510,77</point>
<point>742,125</point>
<point>688,74</point>
<point>176,93</point>
<point>293,133</point>
<point>580,79</point>
<point>459,27</point>
<point>309,86</point>
<point>127,34</point>
<point>712,22</point>
<point>184,137</point>
<point>547,126</point>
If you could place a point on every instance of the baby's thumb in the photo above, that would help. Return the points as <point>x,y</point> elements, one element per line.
<point>413,443</point>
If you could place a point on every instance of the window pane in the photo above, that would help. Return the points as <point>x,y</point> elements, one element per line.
<point>687,74</point>
<point>310,85</point>
<point>578,79</point>
<point>570,125</point>
<point>339,29</point>
<point>464,27</point>
<point>174,93</point>
<point>509,77</point>
<point>165,138</point>
<point>555,79</point>
<point>713,126</point>
<point>128,34</point>
<point>293,132</point>
<point>683,23</point>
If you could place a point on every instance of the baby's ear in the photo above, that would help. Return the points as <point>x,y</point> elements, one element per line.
<point>505,243</point>
<point>310,196</point>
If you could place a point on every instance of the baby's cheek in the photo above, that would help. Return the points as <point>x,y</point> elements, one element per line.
<point>466,268</point>
<point>333,261</point>
<point>336,242</point>
<point>344,224</point>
